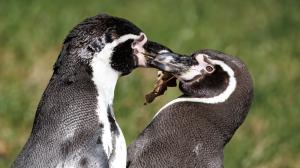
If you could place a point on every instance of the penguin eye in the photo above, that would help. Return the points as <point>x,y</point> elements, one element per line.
<point>209,69</point>
<point>110,35</point>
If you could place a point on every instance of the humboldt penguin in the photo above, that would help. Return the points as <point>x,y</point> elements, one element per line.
<point>74,125</point>
<point>192,130</point>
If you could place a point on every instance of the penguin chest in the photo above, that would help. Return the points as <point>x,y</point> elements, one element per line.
<point>113,140</point>
<point>118,155</point>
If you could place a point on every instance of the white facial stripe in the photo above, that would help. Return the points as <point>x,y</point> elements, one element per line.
<point>124,38</point>
<point>195,70</point>
<point>191,73</point>
<point>105,79</point>
<point>202,62</point>
<point>163,51</point>
<point>212,100</point>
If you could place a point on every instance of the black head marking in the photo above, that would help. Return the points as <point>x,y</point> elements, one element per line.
<point>110,35</point>
<point>90,36</point>
<point>209,86</point>
<point>154,47</point>
<point>122,59</point>
<point>99,25</point>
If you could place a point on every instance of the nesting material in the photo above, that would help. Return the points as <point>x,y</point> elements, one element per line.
<point>164,80</point>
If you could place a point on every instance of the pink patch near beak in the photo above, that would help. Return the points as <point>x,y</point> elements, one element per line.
<point>138,48</point>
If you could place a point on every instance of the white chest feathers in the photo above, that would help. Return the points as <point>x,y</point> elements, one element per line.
<point>105,79</point>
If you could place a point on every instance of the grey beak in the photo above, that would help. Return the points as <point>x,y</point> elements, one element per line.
<point>173,63</point>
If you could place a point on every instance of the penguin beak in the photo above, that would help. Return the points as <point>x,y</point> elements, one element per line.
<point>151,51</point>
<point>185,68</point>
<point>171,62</point>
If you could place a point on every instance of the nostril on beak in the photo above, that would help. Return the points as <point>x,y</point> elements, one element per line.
<point>209,69</point>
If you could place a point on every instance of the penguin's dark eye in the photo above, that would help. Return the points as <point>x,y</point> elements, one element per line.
<point>209,69</point>
<point>108,37</point>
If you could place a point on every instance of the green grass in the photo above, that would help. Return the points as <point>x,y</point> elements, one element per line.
<point>263,33</point>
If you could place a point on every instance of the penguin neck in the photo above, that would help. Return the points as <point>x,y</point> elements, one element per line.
<point>224,97</point>
<point>227,94</point>
<point>104,76</point>
<point>203,92</point>
<point>105,79</point>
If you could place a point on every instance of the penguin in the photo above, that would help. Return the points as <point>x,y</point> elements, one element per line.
<point>192,130</point>
<point>74,125</point>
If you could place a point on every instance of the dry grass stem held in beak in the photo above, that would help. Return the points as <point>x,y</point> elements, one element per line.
<point>164,80</point>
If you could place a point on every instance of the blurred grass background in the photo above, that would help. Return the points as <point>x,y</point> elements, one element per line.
<point>263,33</point>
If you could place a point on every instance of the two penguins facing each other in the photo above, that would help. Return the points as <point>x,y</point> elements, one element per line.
<point>75,125</point>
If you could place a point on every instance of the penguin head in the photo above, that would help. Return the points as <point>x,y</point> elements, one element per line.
<point>206,73</point>
<point>112,41</point>
<point>230,76</point>
<point>185,68</point>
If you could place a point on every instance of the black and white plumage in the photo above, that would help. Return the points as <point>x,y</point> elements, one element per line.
<point>192,130</point>
<point>74,124</point>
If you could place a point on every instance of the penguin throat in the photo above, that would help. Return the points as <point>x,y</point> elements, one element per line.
<point>105,79</point>
<point>104,76</point>
<point>220,98</point>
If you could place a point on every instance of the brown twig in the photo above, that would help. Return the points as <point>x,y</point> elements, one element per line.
<point>164,81</point>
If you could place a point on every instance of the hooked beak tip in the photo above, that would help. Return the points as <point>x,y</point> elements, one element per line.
<point>168,62</point>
